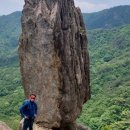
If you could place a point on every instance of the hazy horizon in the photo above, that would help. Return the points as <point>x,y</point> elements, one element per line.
<point>87,6</point>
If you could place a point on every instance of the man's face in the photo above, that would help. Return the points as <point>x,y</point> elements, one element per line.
<point>32,98</point>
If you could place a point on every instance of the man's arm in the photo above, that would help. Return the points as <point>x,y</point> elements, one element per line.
<point>23,108</point>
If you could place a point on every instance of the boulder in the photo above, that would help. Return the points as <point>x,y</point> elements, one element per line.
<point>54,60</point>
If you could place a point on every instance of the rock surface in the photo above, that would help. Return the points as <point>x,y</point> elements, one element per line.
<point>36,127</point>
<point>54,60</point>
<point>3,126</point>
<point>69,127</point>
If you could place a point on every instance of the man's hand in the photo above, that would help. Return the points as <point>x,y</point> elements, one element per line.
<point>26,117</point>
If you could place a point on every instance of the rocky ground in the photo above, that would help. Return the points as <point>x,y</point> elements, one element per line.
<point>3,126</point>
<point>36,127</point>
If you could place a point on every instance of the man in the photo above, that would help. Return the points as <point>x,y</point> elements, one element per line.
<point>29,111</point>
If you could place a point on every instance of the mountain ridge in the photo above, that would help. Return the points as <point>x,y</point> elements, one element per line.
<point>108,18</point>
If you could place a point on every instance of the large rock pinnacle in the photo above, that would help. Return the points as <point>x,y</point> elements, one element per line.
<point>54,60</point>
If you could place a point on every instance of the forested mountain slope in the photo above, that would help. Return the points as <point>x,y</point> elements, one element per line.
<point>11,92</point>
<point>9,34</point>
<point>109,51</point>
<point>109,106</point>
<point>108,18</point>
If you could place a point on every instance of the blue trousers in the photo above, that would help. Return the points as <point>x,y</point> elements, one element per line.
<point>28,123</point>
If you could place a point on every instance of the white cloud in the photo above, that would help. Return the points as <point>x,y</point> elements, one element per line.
<point>90,7</point>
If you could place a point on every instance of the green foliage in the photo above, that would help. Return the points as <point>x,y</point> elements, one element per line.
<point>11,95</point>
<point>11,91</point>
<point>109,107</point>
<point>9,34</point>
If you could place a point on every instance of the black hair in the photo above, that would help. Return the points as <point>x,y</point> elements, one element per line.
<point>32,95</point>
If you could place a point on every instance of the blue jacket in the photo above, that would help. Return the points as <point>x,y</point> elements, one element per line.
<point>28,109</point>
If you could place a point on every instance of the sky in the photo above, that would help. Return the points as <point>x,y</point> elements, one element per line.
<point>87,6</point>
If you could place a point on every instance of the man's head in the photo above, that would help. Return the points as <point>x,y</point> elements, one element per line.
<point>32,97</point>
